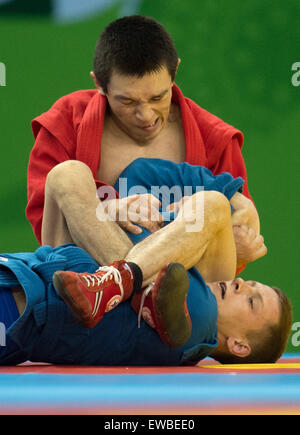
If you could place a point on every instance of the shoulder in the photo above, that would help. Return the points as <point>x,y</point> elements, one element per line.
<point>217,135</point>
<point>209,123</point>
<point>77,100</point>
<point>67,111</point>
<point>206,121</point>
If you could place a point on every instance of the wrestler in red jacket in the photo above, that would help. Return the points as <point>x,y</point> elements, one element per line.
<point>73,129</point>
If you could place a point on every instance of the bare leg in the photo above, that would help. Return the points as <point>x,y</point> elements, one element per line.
<point>211,248</point>
<point>70,215</point>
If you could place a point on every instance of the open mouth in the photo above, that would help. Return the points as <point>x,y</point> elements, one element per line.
<point>223,289</point>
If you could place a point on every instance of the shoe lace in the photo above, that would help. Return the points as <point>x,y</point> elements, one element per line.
<point>144,295</point>
<point>110,272</point>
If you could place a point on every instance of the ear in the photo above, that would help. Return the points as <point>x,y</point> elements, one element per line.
<point>178,63</point>
<point>238,347</point>
<point>96,83</point>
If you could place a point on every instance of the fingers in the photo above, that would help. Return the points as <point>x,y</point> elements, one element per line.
<point>145,200</point>
<point>144,211</point>
<point>238,218</point>
<point>147,217</point>
<point>245,212</point>
<point>250,245</point>
<point>130,227</point>
<point>258,248</point>
<point>249,236</point>
<point>176,206</point>
<point>261,252</point>
<point>245,232</point>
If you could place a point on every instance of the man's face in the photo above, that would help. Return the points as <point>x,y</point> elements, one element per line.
<point>244,306</point>
<point>140,106</point>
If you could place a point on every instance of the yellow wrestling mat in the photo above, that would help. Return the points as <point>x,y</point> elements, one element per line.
<point>260,367</point>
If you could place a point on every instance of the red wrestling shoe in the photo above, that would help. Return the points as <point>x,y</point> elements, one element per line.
<point>90,295</point>
<point>163,305</point>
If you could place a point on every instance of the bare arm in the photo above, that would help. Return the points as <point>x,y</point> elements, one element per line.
<point>246,230</point>
<point>245,212</point>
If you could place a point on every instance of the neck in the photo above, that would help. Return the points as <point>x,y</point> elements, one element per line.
<point>221,349</point>
<point>119,132</point>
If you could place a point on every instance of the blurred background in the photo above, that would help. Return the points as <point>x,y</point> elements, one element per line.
<point>237,60</point>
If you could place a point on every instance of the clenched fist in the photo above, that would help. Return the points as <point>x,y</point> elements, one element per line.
<point>249,245</point>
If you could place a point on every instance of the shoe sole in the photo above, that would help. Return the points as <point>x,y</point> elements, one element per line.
<point>169,302</point>
<point>76,311</point>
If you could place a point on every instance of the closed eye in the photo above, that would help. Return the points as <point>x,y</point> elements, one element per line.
<point>160,96</point>
<point>127,102</point>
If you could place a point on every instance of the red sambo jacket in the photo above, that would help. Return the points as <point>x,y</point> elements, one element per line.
<point>72,130</point>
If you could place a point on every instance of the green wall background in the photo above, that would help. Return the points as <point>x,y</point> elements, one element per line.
<point>236,63</point>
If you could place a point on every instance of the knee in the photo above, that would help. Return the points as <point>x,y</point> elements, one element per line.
<point>209,207</point>
<point>66,176</point>
<point>211,199</point>
<point>216,201</point>
<point>217,208</point>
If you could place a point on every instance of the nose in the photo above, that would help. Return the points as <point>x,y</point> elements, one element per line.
<point>144,113</point>
<point>238,284</point>
<point>242,287</point>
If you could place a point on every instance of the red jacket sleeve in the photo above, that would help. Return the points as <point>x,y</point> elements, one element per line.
<point>232,161</point>
<point>46,153</point>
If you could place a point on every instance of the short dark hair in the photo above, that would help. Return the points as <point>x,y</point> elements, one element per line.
<point>135,46</point>
<point>268,345</point>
